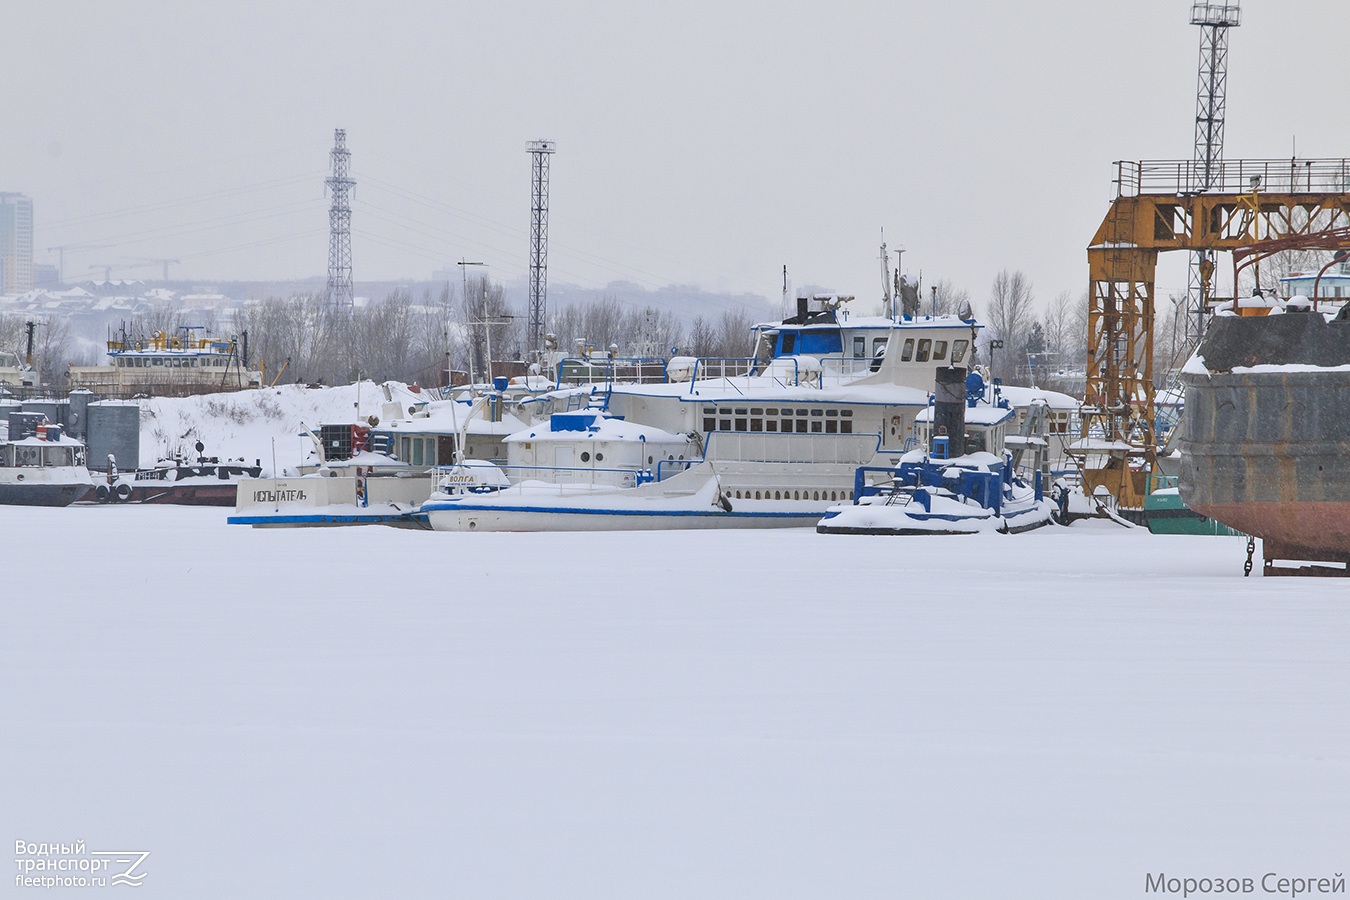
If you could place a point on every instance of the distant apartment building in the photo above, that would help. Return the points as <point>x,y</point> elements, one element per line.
<point>16,243</point>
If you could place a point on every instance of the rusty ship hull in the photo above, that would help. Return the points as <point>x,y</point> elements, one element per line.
<point>1267,446</point>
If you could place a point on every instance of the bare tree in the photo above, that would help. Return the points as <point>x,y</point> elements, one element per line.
<point>1010,317</point>
<point>947,298</point>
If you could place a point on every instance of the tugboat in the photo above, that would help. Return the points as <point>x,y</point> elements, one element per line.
<point>40,466</point>
<point>205,481</point>
<point>1267,446</point>
<point>956,486</point>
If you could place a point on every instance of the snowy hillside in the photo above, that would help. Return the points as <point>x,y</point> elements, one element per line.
<point>246,423</point>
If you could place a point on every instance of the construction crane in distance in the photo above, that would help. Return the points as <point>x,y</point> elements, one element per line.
<point>161,261</point>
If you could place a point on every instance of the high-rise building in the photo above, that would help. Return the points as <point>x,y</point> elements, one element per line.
<point>16,243</point>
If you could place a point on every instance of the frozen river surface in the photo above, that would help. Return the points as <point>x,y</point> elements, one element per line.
<point>379,713</point>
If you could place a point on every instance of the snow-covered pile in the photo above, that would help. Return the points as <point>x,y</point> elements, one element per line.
<point>251,424</point>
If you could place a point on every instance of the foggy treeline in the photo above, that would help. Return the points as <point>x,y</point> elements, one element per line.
<point>410,339</point>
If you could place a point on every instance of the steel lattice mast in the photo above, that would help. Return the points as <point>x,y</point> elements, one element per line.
<point>339,293</point>
<point>539,151</point>
<point>1214,18</point>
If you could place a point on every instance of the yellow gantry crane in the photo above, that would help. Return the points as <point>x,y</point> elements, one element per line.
<point>1250,208</point>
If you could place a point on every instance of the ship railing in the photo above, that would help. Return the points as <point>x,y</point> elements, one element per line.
<point>610,370</point>
<point>1232,176</point>
<point>842,370</point>
<point>785,371</point>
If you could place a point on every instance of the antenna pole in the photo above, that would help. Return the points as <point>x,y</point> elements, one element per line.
<point>339,293</point>
<point>539,151</point>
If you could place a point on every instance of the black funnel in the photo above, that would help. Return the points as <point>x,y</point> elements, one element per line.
<point>949,408</point>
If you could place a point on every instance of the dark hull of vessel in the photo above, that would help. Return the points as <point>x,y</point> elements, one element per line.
<point>222,494</point>
<point>40,494</point>
<point>1267,452</point>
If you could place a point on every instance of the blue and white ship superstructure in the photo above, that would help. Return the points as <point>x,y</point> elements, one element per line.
<point>779,436</point>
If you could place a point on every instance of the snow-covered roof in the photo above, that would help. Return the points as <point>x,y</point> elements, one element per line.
<point>983,415</point>
<point>603,428</point>
<point>443,421</point>
<point>63,441</point>
<point>1025,396</point>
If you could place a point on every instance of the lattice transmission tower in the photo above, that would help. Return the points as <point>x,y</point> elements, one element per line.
<point>539,151</point>
<point>339,293</point>
<point>1214,17</point>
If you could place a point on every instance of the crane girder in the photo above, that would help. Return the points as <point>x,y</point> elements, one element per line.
<point>1119,440</point>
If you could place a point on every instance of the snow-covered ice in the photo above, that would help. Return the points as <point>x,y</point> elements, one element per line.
<point>376,713</point>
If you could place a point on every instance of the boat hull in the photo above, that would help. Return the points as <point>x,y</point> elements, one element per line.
<point>57,486</point>
<point>891,520</point>
<point>1268,454</point>
<point>501,517</point>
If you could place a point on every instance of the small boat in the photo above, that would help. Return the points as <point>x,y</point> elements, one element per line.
<point>1166,513</point>
<point>957,486</point>
<point>205,481</point>
<point>43,468</point>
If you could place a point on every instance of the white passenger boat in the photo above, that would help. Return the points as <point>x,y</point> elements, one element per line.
<point>779,437</point>
<point>45,468</point>
<point>629,477</point>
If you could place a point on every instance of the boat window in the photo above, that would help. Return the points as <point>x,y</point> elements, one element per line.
<point>756,424</point>
<point>817,412</point>
<point>789,342</point>
<point>801,426</point>
<point>770,424</point>
<point>740,423</point>
<point>831,412</point>
<point>939,349</point>
<point>878,346</point>
<point>417,452</point>
<point>756,412</point>
<point>831,426</point>
<point>845,426</point>
<point>958,350</point>
<point>724,425</point>
<point>585,456</point>
<point>771,412</point>
<point>907,351</point>
<point>709,424</point>
<point>924,346</point>
<point>859,347</point>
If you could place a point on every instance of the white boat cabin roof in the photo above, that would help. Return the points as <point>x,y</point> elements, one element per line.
<point>591,425</point>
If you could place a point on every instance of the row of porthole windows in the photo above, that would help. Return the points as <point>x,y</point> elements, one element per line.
<point>794,495</point>
<point>774,420</point>
<point>175,362</point>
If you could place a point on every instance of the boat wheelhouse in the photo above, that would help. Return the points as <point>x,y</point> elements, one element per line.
<point>167,365</point>
<point>42,467</point>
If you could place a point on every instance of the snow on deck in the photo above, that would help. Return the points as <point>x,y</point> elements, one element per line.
<point>377,713</point>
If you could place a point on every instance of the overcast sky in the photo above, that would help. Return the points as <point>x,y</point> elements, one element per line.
<point>704,143</point>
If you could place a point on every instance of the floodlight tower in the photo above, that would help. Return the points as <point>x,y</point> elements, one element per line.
<point>339,293</point>
<point>539,152</point>
<point>1214,17</point>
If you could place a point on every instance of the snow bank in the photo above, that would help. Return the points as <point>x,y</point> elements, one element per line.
<point>246,423</point>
